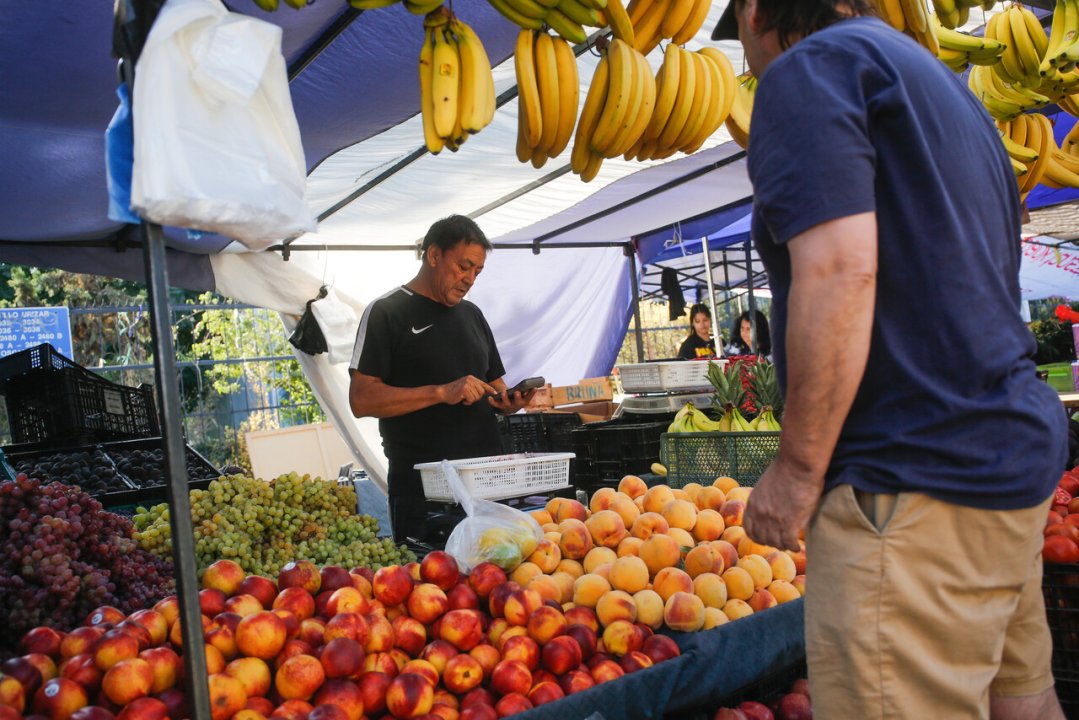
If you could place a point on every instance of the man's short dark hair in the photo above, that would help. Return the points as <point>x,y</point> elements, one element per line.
<point>453,230</point>
<point>792,19</point>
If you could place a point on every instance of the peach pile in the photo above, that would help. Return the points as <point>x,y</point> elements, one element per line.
<point>659,556</point>
<point>420,640</point>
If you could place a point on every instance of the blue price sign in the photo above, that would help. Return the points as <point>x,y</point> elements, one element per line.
<point>22,328</point>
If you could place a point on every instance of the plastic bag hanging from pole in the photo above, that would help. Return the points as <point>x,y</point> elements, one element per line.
<point>217,145</point>
<point>492,532</point>
<point>308,337</point>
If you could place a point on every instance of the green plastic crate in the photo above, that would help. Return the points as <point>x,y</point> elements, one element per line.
<point>702,457</point>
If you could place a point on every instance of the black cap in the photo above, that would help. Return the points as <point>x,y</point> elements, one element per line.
<point>727,27</point>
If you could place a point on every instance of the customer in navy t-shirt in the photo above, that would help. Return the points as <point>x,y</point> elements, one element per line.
<point>918,445</point>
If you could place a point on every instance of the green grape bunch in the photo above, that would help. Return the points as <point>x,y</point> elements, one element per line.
<point>263,526</point>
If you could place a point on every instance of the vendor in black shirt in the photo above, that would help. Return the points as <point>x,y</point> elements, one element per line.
<point>425,364</point>
<point>699,344</point>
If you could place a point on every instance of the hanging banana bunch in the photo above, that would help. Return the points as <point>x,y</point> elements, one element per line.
<point>568,18</point>
<point>742,109</point>
<point>457,91</point>
<point>548,94</point>
<point>694,95</point>
<point>271,5</point>
<point>959,50</point>
<point>911,17</point>
<point>1025,45</point>
<point>1003,100</point>
<point>1050,165</point>
<point>1063,47</point>
<point>616,110</point>
<point>656,20</point>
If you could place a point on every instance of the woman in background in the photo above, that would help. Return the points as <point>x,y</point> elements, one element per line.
<point>699,344</point>
<point>742,336</point>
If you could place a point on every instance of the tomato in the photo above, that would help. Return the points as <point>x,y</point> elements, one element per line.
<point>1053,519</point>
<point>1061,510</point>
<point>1060,549</point>
<point>1072,519</point>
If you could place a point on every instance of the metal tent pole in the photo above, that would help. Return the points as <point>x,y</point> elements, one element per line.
<point>183,536</point>
<point>711,294</point>
<point>749,291</point>
<point>632,263</point>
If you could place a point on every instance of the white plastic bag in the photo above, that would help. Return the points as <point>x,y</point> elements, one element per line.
<point>217,146</point>
<point>492,532</point>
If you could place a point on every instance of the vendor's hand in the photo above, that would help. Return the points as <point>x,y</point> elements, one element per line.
<point>780,506</point>
<point>508,403</point>
<point>466,391</point>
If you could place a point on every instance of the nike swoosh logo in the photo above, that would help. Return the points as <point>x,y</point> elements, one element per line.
<point>417,332</point>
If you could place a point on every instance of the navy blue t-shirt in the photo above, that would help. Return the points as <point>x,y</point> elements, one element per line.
<point>859,118</point>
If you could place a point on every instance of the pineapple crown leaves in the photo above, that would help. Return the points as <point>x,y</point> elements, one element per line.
<point>765,386</point>
<point>727,383</point>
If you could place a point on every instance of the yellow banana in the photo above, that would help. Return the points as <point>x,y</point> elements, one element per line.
<point>916,15</point>
<point>702,100</point>
<point>1009,67</point>
<point>593,106</point>
<point>621,27</point>
<point>547,82</point>
<point>595,162</point>
<point>427,105</point>
<point>947,13</point>
<point>742,110</point>
<point>527,90</point>
<point>728,83</point>
<point>444,83</point>
<point>271,5</point>
<point>514,16</point>
<point>529,8</point>
<point>713,116</point>
<point>539,158</point>
<point>892,12</point>
<point>1020,152</point>
<point>568,95</point>
<point>666,92</point>
<point>687,88</point>
<point>422,8</point>
<point>580,13</point>
<point>1059,171</point>
<point>1035,31</point>
<point>619,95</point>
<point>476,80</point>
<point>637,8</point>
<point>566,27</point>
<point>610,149</point>
<point>1064,35</point>
<point>1025,45</point>
<point>678,11</point>
<point>524,150</point>
<point>693,23</point>
<point>647,32</point>
<point>638,119</point>
<point>366,4</point>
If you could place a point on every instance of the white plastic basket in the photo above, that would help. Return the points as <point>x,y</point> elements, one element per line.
<point>666,376</point>
<point>499,476</point>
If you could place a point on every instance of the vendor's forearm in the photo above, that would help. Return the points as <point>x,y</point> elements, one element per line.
<point>829,326</point>
<point>384,401</point>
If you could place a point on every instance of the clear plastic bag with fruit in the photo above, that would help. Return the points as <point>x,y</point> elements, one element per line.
<point>492,532</point>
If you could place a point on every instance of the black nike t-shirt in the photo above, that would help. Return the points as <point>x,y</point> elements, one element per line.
<point>408,340</point>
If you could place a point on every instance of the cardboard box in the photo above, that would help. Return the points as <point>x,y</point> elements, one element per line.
<point>589,390</point>
<point>590,412</point>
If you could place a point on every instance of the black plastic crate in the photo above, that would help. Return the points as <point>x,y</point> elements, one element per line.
<point>611,449</point>
<point>52,401</point>
<point>1060,588</point>
<point>133,456</point>
<point>538,432</point>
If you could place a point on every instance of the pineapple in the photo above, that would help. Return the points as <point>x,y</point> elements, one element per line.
<point>729,395</point>
<point>765,386</point>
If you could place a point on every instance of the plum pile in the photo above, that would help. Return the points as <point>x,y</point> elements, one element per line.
<point>65,556</point>
<point>92,471</point>
<point>146,468</point>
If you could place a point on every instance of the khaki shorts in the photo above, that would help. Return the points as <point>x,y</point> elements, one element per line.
<point>926,616</point>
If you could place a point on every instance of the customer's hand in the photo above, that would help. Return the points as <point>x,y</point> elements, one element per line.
<point>780,506</point>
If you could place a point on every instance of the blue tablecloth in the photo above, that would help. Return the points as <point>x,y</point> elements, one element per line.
<point>713,665</point>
